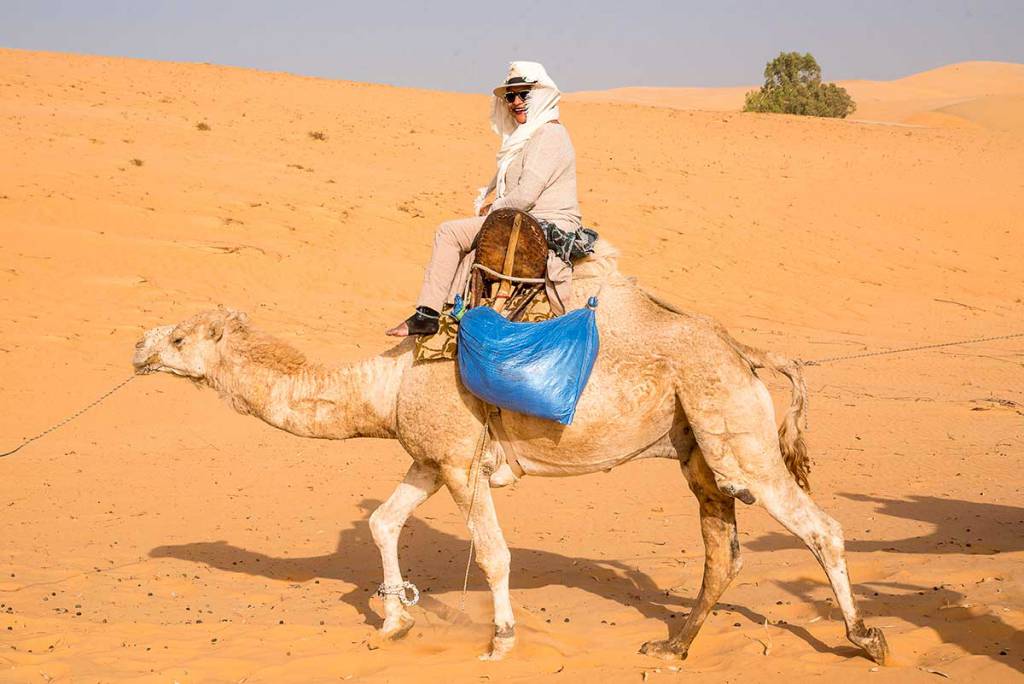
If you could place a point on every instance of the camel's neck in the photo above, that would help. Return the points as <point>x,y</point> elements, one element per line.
<point>337,403</point>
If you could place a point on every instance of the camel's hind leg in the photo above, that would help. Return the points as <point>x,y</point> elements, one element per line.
<point>792,507</point>
<point>735,427</point>
<point>492,554</point>
<point>386,524</point>
<point>721,556</point>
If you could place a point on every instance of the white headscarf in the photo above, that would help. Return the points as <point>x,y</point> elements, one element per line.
<point>541,107</point>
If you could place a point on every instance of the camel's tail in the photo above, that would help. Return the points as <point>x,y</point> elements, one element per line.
<point>791,432</point>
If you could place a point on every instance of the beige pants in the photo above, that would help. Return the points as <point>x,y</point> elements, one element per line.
<point>451,242</point>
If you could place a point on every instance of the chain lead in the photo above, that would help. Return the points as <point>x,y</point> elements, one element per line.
<point>69,418</point>
<point>818,362</point>
<point>815,362</point>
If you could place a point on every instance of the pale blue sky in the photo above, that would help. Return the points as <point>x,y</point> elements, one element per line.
<point>465,46</point>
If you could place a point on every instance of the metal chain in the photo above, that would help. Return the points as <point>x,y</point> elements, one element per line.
<point>400,590</point>
<point>818,362</point>
<point>69,418</point>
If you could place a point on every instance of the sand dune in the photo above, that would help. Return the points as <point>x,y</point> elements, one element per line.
<point>161,537</point>
<point>995,112</point>
<point>984,94</point>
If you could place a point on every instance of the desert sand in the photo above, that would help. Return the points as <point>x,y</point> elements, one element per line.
<point>969,94</point>
<point>161,537</point>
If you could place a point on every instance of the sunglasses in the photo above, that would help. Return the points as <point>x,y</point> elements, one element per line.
<point>510,97</point>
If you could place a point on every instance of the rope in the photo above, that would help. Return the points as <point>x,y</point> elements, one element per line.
<point>481,267</point>
<point>69,418</point>
<point>831,359</point>
<point>476,465</point>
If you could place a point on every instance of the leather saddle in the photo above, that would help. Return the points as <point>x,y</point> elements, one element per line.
<point>511,258</point>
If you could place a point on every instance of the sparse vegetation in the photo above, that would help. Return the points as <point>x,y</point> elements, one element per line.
<point>136,162</point>
<point>792,85</point>
<point>202,126</point>
<point>318,135</point>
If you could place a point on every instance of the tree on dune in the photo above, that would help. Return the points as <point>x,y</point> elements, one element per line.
<point>792,85</point>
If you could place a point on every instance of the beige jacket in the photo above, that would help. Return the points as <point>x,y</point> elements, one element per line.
<point>542,179</point>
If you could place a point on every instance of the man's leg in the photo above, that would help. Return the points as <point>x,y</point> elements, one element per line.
<point>452,240</point>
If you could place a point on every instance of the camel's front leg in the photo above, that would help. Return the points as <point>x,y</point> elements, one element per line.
<point>492,554</point>
<point>386,524</point>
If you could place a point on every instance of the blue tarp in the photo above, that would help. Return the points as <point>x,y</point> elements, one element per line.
<point>539,369</point>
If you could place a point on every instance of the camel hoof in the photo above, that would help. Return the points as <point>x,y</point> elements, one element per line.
<point>664,650</point>
<point>874,644</point>
<point>500,647</point>
<point>395,629</point>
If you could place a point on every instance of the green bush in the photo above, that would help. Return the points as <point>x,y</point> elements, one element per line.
<point>792,85</point>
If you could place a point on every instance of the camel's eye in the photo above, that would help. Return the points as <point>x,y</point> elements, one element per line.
<point>178,341</point>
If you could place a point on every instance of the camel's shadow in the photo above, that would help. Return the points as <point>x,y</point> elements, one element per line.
<point>939,608</point>
<point>435,561</point>
<point>967,527</point>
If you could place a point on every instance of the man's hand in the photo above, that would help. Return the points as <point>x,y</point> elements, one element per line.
<point>485,210</point>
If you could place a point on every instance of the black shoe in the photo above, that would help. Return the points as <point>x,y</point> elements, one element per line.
<point>425,321</point>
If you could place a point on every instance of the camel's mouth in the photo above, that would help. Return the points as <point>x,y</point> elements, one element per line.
<point>149,368</point>
<point>145,365</point>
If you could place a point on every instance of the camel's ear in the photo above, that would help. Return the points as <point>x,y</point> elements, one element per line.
<point>216,330</point>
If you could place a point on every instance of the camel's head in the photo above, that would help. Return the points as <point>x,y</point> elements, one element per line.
<point>190,348</point>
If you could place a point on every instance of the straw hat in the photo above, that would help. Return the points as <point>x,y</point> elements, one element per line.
<point>515,79</point>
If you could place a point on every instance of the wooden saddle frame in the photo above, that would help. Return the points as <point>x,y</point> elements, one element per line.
<point>511,263</point>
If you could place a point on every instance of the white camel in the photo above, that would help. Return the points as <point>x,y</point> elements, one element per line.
<point>666,384</point>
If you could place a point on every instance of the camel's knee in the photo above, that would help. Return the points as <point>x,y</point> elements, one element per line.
<point>381,527</point>
<point>494,562</point>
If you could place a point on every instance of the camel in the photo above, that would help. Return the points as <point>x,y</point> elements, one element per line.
<point>666,384</point>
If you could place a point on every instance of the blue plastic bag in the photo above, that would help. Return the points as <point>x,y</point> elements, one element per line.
<point>539,369</point>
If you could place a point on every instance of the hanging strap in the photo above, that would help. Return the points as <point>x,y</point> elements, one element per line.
<point>505,286</point>
<point>511,458</point>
